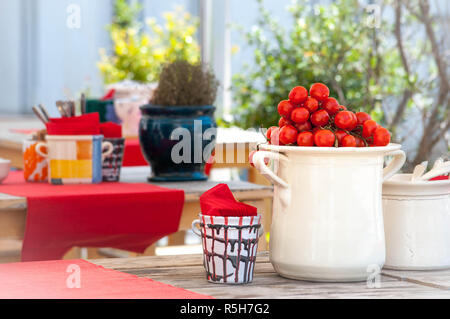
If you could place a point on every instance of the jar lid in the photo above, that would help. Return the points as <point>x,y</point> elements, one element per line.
<point>401,184</point>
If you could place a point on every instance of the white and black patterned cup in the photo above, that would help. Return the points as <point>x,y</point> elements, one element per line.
<point>113,163</point>
<point>230,245</point>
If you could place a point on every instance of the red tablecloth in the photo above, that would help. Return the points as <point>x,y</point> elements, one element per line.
<point>119,215</point>
<point>132,155</point>
<point>60,279</point>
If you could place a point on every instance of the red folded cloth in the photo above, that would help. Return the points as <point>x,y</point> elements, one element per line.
<point>109,95</point>
<point>118,215</point>
<point>59,280</point>
<point>86,124</point>
<point>111,130</point>
<point>219,201</point>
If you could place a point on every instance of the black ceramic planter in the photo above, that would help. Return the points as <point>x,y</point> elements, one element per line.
<point>163,128</point>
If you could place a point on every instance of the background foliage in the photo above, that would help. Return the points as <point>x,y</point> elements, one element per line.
<point>393,65</point>
<point>139,52</point>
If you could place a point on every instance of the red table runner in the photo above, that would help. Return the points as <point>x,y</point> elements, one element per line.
<point>60,279</point>
<point>119,215</point>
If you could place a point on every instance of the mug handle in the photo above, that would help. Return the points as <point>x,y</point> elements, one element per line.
<point>395,165</point>
<point>195,229</point>
<point>109,149</point>
<point>39,145</point>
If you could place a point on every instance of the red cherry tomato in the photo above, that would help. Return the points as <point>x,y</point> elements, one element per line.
<point>250,159</point>
<point>300,115</point>
<point>285,108</point>
<point>369,128</point>
<point>345,120</point>
<point>342,108</point>
<point>298,95</point>
<point>283,121</point>
<point>331,105</point>
<point>304,126</point>
<point>269,131</point>
<point>311,104</point>
<point>288,134</point>
<point>349,141</point>
<point>340,134</point>
<point>381,137</point>
<point>275,136</point>
<point>320,118</point>
<point>362,117</point>
<point>305,139</point>
<point>324,138</point>
<point>360,142</point>
<point>319,91</point>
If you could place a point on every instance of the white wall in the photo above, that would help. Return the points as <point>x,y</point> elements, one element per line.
<point>46,58</point>
<point>10,29</point>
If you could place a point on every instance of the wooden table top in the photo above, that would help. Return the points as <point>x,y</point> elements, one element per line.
<point>187,272</point>
<point>241,190</point>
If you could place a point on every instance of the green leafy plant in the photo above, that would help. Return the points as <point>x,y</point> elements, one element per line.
<point>185,84</point>
<point>325,43</point>
<point>393,68</point>
<point>139,54</point>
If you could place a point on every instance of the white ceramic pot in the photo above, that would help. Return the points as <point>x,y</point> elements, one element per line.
<point>327,222</point>
<point>416,223</point>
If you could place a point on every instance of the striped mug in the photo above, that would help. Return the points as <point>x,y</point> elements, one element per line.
<point>75,159</point>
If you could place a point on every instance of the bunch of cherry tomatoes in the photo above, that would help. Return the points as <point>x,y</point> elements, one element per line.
<point>316,119</point>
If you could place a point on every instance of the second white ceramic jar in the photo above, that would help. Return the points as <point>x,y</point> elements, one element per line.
<point>417,223</point>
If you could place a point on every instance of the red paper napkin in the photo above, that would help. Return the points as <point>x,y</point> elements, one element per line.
<point>119,215</point>
<point>109,95</point>
<point>219,201</point>
<point>111,130</point>
<point>48,280</point>
<point>86,124</point>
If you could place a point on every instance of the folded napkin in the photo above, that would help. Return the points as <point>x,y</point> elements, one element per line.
<point>86,124</point>
<point>111,130</point>
<point>109,95</point>
<point>219,201</point>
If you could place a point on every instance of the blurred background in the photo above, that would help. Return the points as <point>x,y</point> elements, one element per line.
<point>390,58</point>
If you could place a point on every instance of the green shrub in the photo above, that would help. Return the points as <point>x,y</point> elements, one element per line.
<point>138,55</point>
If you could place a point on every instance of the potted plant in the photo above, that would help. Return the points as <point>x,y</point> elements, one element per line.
<point>177,130</point>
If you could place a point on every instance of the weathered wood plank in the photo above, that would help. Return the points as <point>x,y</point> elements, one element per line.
<point>432,278</point>
<point>188,272</point>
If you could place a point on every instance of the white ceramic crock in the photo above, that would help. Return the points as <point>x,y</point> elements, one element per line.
<point>416,223</point>
<point>327,222</point>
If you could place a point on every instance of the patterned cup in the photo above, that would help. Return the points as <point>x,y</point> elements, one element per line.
<point>35,167</point>
<point>113,163</point>
<point>230,245</point>
<point>75,159</point>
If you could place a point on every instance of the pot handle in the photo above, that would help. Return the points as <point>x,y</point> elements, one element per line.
<point>258,161</point>
<point>395,165</point>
